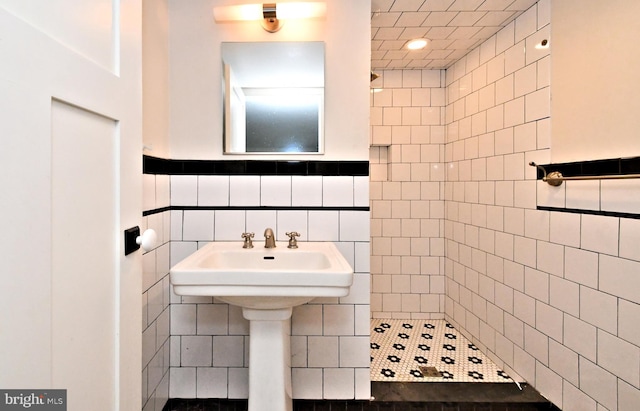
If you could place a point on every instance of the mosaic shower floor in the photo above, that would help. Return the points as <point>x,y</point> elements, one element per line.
<point>427,351</point>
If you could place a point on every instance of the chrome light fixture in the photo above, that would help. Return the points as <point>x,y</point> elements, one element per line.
<point>271,14</point>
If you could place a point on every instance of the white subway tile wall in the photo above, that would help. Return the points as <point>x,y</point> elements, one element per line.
<point>550,296</point>
<point>618,196</point>
<point>243,190</point>
<point>156,297</point>
<point>407,192</point>
<point>213,190</point>
<point>330,337</point>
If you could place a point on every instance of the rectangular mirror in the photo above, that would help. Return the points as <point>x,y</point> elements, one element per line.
<point>273,97</point>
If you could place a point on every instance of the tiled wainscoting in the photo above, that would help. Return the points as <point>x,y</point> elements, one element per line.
<point>155,296</point>
<point>329,337</point>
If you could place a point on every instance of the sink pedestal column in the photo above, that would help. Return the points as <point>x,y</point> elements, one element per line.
<point>269,359</point>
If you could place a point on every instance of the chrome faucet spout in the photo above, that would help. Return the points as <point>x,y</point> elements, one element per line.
<point>269,239</point>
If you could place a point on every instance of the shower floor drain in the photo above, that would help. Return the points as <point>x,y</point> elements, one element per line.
<point>429,371</point>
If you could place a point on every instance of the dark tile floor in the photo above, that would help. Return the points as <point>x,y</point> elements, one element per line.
<point>405,397</point>
<point>456,392</point>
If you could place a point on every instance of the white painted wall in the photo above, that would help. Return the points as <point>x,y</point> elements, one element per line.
<point>155,78</point>
<point>596,93</point>
<point>195,76</point>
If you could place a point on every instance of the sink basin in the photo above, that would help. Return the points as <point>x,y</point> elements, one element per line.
<point>264,278</point>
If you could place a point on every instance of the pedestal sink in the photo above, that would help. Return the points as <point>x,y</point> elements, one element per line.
<point>267,283</point>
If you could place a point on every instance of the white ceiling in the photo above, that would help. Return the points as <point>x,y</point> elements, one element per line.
<point>453,28</point>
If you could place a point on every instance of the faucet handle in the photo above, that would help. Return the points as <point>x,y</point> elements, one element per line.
<point>293,243</point>
<point>247,240</point>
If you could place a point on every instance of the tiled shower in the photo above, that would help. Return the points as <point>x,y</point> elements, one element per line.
<point>544,282</point>
<point>407,194</point>
<point>549,294</point>
<point>541,278</point>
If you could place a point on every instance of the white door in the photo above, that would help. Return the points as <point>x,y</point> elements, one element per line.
<point>70,155</point>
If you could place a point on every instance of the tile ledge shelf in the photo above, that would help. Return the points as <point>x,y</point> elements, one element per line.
<point>593,168</point>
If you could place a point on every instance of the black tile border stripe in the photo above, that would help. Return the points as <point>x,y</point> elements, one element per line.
<point>155,211</point>
<point>251,208</point>
<point>278,208</point>
<point>614,166</point>
<point>156,165</point>
<point>592,212</point>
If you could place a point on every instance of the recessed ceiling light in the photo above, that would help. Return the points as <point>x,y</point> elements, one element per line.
<point>417,44</point>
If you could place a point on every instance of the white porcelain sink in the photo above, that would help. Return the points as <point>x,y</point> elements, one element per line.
<point>267,283</point>
<point>264,278</point>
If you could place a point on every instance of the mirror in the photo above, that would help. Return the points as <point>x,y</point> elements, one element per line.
<point>273,97</point>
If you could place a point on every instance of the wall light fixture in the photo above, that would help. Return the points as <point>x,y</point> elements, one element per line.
<point>271,14</point>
